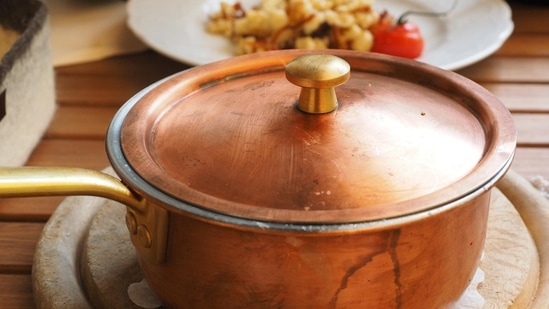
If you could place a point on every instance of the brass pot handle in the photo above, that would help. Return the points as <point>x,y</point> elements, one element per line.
<point>147,224</point>
<point>60,181</point>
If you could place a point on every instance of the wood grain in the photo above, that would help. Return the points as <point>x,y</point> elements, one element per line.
<point>70,152</point>
<point>505,69</point>
<point>80,122</point>
<point>522,98</point>
<point>522,44</point>
<point>531,162</point>
<point>532,129</point>
<point>16,292</point>
<point>17,243</point>
<point>529,18</point>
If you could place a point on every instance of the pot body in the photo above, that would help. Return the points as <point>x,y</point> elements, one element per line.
<point>406,230</point>
<point>230,244</point>
<point>426,262</point>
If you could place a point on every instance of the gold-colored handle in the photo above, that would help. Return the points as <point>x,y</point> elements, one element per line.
<point>60,181</point>
<point>318,75</point>
<point>147,224</point>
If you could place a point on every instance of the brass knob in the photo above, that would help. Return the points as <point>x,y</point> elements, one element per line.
<point>318,75</point>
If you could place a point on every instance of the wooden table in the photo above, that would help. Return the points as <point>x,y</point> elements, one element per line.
<point>89,94</point>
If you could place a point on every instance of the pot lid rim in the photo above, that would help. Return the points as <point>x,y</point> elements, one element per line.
<point>496,157</point>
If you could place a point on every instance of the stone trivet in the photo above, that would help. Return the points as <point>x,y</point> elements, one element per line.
<point>108,263</point>
<point>514,264</point>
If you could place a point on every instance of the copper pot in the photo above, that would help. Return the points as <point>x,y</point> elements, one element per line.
<point>252,183</point>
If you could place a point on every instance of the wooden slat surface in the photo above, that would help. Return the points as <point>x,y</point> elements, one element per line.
<point>507,69</point>
<point>522,98</point>
<point>529,18</point>
<point>89,94</point>
<point>16,292</point>
<point>80,122</point>
<point>18,259</point>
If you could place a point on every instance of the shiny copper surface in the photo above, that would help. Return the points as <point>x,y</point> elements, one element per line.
<point>406,137</point>
<point>426,264</point>
<point>381,203</point>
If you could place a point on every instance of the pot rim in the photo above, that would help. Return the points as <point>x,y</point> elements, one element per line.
<point>160,199</point>
<point>492,172</point>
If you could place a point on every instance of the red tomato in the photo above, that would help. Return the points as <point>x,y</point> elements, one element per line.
<point>402,40</point>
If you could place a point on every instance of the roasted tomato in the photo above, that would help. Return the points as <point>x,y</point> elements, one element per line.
<point>402,39</point>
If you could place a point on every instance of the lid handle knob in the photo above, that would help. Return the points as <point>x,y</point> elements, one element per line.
<point>318,75</point>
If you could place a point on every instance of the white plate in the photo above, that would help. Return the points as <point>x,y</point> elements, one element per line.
<point>471,32</point>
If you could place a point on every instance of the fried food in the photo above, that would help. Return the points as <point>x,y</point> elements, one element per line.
<point>304,24</point>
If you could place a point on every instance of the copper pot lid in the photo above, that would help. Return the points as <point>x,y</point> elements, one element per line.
<point>404,137</point>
